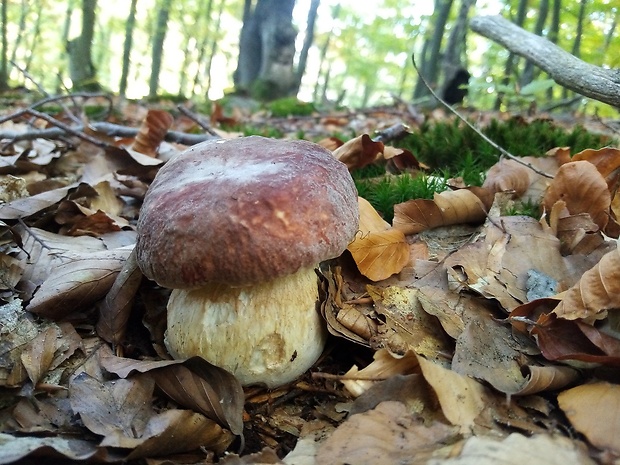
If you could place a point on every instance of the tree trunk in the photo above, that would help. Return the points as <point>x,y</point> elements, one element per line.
<point>202,46</point>
<point>158,46</point>
<point>267,50</point>
<point>454,60</point>
<point>567,70</point>
<point>528,71</point>
<point>322,56</point>
<point>129,27</point>
<point>511,62</point>
<point>303,56</point>
<point>81,69</point>
<point>4,75</point>
<point>213,49</point>
<point>430,62</point>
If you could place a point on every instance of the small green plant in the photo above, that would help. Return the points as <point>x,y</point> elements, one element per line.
<point>524,208</point>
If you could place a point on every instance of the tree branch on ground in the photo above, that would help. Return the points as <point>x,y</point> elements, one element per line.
<point>567,70</point>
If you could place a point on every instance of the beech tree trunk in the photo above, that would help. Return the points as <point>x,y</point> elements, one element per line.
<point>4,75</point>
<point>303,55</point>
<point>429,64</point>
<point>81,69</point>
<point>161,28</point>
<point>129,27</point>
<point>267,50</point>
<point>567,70</point>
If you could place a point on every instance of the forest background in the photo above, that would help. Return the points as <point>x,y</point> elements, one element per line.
<point>341,52</point>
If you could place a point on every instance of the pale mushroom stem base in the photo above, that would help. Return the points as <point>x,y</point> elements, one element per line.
<point>270,333</point>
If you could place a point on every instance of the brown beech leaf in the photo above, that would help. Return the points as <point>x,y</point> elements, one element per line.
<point>78,283</point>
<point>193,383</point>
<point>359,152</point>
<point>447,208</point>
<point>565,340</point>
<point>597,291</point>
<point>115,310</point>
<point>584,190</point>
<point>508,175</point>
<point>386,435</point>
<point>594,410</point>
<point>399,160</point>
<point>379,255</point>
<point>606,160</point>
<point>378,250</point>
<point>152,132</point>
<point>118,409</point>
<point>205,388</point>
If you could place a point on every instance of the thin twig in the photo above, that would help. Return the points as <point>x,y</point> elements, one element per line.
<point>198,120</point>
<point>503,151</point>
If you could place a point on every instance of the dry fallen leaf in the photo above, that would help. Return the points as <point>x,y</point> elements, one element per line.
<point>386,435</point>
<point>378,250</point>
<point>359,152</point>
<point>583,189</point>
<point>594,410</point>
<point>597,291</point>
<point>152,132</point>
<point>446,208</point>
<point>508,175</point>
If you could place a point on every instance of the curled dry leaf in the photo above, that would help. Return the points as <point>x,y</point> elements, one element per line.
<point>386,435</point>
<point>152,132</point>
<point>384,366</point>
<point>115,310</point>
<point>597,291</point>
<point>607,162</point>
<point>359,152</point>
<point>78,283</point>
<point>193,383</point>
<point>594,411</point>
<point>584,190</point>
<point>447,208</point>
<point>378,250</point>
<point>508,175</point>
<point>575,341</point>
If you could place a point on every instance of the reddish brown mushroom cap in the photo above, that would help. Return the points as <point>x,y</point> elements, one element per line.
<point>244,211</point>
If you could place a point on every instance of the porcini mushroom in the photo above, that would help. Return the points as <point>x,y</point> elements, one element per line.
<point>236,227</point>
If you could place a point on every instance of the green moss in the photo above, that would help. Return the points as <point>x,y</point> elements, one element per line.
<point>290,106</point>
<point>456,150</point>
<point>386,191</point>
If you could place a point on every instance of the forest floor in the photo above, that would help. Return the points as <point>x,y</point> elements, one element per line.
<point>460,332</point>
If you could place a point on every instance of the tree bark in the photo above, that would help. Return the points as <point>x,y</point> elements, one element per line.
<point>4,74</point>
<point>129,27</point>
<point>267,50</point>
<point>81,69</point>
<point>303,55</point>
<point>158,46</point>
<point>567,70</point>
<point>430,61</point>
<point>454,60</point>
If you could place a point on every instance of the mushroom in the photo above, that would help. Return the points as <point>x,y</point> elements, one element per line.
<point>236,228</point>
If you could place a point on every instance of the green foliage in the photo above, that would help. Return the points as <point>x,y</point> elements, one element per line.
<point>290,106</point>
<point>386,191</point>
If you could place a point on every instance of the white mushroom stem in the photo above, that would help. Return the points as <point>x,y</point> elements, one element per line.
<point>268,333</point>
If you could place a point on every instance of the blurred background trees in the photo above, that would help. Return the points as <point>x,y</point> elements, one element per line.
<point>334,52</point>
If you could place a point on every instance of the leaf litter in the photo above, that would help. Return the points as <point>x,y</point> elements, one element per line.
<point>459,334</point>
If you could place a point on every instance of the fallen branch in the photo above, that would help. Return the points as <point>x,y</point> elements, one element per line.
<point>108,129</point>
<point>567,70</point>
